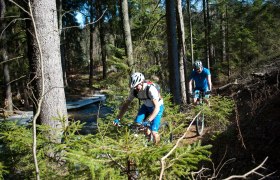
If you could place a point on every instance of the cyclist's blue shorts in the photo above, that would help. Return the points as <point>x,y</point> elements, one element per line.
<point>196,94</point>
<point>144,110</point>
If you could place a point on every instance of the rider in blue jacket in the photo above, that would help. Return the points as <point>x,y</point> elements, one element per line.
<point>201,78</point>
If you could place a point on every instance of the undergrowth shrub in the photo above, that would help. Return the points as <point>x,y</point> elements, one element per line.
<point>111,153</point>
<point>218,113</point>
<point>2,170</point>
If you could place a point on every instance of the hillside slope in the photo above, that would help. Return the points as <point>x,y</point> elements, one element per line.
<point>255,132</point>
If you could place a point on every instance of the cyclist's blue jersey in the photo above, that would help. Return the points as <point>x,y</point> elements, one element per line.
<point>200,79</point>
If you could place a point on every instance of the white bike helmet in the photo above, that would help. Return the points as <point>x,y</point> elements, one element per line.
<point>197,65</point>
<point>136,79</point>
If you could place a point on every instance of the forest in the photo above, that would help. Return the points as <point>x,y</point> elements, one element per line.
<point>52,52</point>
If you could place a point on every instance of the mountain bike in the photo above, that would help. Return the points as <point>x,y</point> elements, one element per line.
<point>164,131</point>
<point>199,119</point>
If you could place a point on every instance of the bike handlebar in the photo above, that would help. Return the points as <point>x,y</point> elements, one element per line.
<point>202,93</point>
<point>133,125</point>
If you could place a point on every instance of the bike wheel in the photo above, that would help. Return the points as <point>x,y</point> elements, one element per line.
<point>165,133</point>
<point>199,124</point>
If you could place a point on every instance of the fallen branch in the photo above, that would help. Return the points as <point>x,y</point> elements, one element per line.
<point>227,85</point>
<point>258,74</point>
<point>199,172</point>
<point>162,160</point>
<point>253,171</point>
<point>117,163</point>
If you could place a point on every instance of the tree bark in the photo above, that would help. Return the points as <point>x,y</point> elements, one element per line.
<point>7,85</point>
<point>206,32</point>
<point>227,43</point>
<point>8,102</point>
<point>45,66</point>
<point>102,39</point>
<point>182,51</point>
<point>91,63</point>
<point>223,33</point>
<point>174,76</point>
<point>191,43</point>
<point>210,47</point>
<point>127,35</point>
<point>190,29</point>
<point>62,39</point>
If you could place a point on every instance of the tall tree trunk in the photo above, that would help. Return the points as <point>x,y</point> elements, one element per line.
<point>25,95</point>
<point>182,51</point>
<point>62,39</point>
<point>45,66</point>
<point>174,76</point>
<point>8,102</point>
<point>91,63</point>
<point>127,35</point>
<point>227,43</point>
<point>210,48</point>
<point>223,33</point>
<point>45,71</point>
<point>190,29</point>
<point>102,39</point>
<point>191,43</point>
<point>206,32</point>
<point>7,85</point>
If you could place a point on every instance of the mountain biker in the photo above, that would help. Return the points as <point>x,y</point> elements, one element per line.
<point>202,79</point>
<point>152,105</point>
